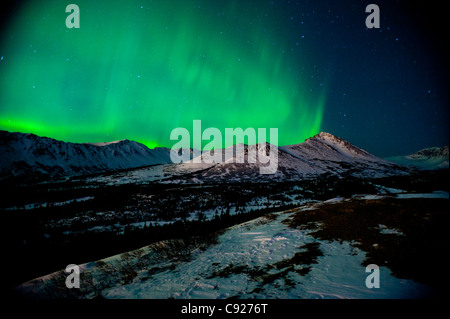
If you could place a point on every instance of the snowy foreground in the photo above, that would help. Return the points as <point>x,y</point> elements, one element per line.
<point>262,258</point>
<point>338,274</point>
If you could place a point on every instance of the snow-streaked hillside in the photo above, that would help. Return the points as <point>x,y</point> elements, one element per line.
<point>322,154</point>
<point>263,258</point>
<point>30,156</point>
<point>332,148</point>
<point>428,158</point>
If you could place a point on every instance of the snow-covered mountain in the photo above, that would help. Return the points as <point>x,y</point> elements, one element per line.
<point>323,153</point>
<point>428,158</point>
<point>31,157</point>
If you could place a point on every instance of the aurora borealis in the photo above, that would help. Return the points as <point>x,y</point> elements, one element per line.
<point>138,69</point>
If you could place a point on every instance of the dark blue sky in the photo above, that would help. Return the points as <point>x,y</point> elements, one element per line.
<point>387,87</point>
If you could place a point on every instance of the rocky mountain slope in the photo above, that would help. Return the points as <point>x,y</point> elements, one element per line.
<point>323,153</point>
<point>429,158</point>
<point>30,157</point>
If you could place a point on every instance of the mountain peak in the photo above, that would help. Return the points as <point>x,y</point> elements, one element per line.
<point>325,136</point>
<point>339,144</point>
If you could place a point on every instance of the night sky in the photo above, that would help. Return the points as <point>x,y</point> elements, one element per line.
<point>138,69</point>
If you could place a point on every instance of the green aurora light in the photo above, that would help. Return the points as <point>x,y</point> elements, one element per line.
<point>138,69</point>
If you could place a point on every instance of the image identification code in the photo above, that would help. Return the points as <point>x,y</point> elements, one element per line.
<point>232,308</point>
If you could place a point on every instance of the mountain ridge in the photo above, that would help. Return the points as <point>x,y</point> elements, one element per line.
<point>430,158</point>
<point>30,157</point>
<point>323,153</point>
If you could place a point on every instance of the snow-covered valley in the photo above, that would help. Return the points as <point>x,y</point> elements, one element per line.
<point>263,258</point>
